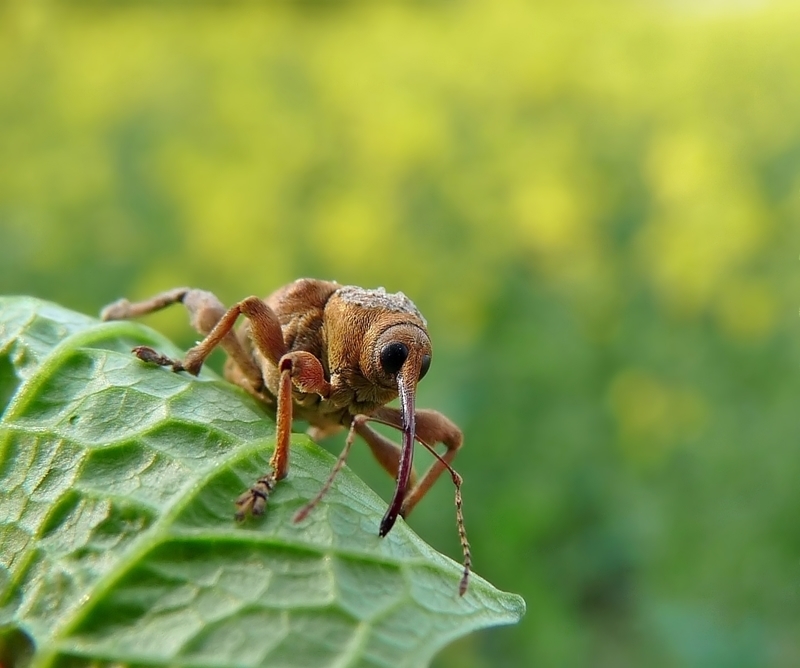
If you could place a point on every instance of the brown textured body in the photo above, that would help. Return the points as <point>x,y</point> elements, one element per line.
<point>334,356</point>
<point>309,312</point>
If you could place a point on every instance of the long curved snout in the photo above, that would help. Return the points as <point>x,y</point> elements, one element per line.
<point>407,389</point>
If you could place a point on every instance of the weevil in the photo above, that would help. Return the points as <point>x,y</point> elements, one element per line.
<point>335,356</point>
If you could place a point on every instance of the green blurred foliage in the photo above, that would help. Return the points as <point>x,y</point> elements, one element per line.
<point>594,204</point>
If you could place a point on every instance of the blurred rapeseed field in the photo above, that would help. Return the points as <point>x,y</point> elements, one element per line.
<point>594,204</point>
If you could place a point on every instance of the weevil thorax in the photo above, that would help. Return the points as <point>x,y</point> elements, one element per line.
<point>376,334</point>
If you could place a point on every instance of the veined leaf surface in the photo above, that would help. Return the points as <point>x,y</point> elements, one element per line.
<point>117,538</point>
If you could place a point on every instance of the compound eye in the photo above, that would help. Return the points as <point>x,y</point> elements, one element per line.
<point>393,356</point>
<point>426,364</point>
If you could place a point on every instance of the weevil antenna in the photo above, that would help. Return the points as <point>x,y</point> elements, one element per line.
<point>306,509</point>
<point>462,530</point>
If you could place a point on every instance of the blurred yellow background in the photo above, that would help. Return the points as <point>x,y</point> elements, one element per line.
<point>594,204</point>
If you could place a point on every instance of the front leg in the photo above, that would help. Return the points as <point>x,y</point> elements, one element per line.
<point>303,371</point>
<point>267,336</point>
<point>205,311</point>
<point>432,428</point>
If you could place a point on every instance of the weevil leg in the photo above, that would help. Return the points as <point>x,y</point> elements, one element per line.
<point>205,311</point>
<point>265,331</point>
<point>211,318</point>
<point>298,369</point>
<point>432,428</point>
<point>383,449</point>
<point>306,509</point>
<point>267,336</point>
<point>308,376</point>
<point>386,452</point>
<point>254,500</point>
<point>303,371</point>
<point>122,309</point>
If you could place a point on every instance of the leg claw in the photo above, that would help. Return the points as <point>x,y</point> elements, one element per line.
<point>254,500</point>
<point>147,354</point>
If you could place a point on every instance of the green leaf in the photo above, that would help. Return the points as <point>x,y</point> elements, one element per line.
<point>117,537</point>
